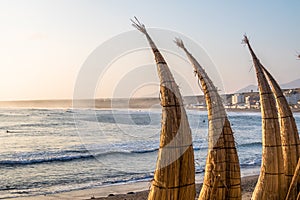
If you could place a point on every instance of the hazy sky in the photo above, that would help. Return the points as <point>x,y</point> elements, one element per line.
<point>44,43</point>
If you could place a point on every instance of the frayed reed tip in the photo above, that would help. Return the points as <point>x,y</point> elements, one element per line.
<point>138,25</point>
<point>179,42</point>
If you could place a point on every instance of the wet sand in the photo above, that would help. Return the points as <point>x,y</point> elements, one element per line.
<point>248,184</point>
<point>131,191</point>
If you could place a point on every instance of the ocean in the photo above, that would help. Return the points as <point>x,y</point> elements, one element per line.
<point>46,151</point>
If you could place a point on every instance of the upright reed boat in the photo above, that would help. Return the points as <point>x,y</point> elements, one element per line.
<point>222,180</point>
<point>280,141</point>
<point>174,177</point>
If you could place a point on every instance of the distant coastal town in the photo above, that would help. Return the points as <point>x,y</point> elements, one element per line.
<point>250,100</point>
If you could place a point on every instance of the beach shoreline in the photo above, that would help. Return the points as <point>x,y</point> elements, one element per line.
<point>129,191</point>
<point>107,104</point>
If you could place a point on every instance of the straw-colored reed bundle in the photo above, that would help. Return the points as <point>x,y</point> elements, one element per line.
<point>292,192</point>
<point>289,133</point>
<point>222,173</point>
<point>174,177</point>
<point>271,183</point>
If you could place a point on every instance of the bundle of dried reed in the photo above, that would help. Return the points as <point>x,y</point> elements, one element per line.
<point>271,183</point>
<point>289,133</point>
<point>222,178</point>
<point>174,177</point>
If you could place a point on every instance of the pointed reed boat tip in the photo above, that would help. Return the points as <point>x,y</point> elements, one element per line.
<point>179,43</point>
<point>245,40</point>
<point>138,25</point>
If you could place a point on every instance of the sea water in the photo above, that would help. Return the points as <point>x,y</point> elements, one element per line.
<point>45,151</point>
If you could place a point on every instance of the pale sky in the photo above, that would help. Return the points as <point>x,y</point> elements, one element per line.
<point>44,43</point>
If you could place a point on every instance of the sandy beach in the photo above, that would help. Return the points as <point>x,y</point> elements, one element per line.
<point>131,191</point>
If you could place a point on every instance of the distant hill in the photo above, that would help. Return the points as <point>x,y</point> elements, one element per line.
<point>249,88</point>
<point>291,85</point>
<point>254,88</point>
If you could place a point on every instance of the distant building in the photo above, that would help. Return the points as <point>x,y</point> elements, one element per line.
<point>248,101</point>
<point>238,99</point>
<point>292,97</point>
<point>257,105</point>
<point>251,101</point>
